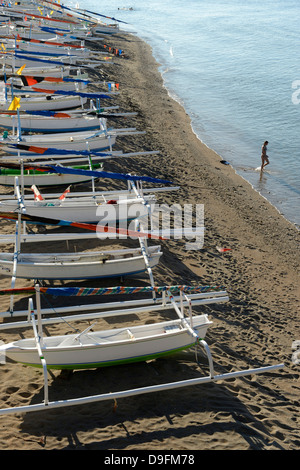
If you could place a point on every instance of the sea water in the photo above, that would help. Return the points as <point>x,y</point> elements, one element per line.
<point>234,66</point>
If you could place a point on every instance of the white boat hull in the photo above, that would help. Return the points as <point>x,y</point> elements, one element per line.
<point>50,124</point>
<point>85,265</point>
<point>17,62</point>
<point>50,85</point>
<point>51,49</point>
<point>49,103</point>
<point>42,70</point>
<point>29,33</point>
<point>41,179</point>
<point>88,211</point>
<point>77,141</point>
<point>110,347</point>
<point>105,29</point>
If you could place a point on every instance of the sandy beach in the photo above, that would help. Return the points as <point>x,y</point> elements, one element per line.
<point>255,328</point>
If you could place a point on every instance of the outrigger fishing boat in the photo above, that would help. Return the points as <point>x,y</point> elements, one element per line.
<point>49,48</point>
<point>86,349</point>
<point>63,143</point>
<point>80,209</point>
<point>15,60</point>
<point>73,21</point>
<point>55,70</point>
<point>109,206</point>
<point>41,68</point>
<point>35,173</point>
<point>46,102</point>
<point>92,349</point>
<point>78,265</point>
<point>51,123</point>
<point>40,100</point>
<point>117,346</point>
<point>31,145</point>
<point>23,82</point>
<point>30,175</point>
<point>85,265</point>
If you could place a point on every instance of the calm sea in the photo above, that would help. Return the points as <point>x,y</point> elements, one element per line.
<point>234,65</point>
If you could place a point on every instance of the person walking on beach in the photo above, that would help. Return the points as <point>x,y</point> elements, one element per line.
<point>264,156</point>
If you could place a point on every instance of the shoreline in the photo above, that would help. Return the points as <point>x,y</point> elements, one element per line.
<point>294,224</point>
<point>256,328</point>
<point>179,100</point>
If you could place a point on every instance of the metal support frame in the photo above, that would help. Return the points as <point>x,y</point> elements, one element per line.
<point>212,377</point>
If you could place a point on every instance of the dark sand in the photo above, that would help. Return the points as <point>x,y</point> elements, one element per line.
<point>256,328</point>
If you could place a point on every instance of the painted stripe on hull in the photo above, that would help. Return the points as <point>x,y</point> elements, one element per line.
<point>95,365</point>
<point>31,154</point>
<point>54,130</point>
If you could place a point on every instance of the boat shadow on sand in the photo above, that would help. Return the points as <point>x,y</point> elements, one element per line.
<point>115,422</point>
<point>224,403</point>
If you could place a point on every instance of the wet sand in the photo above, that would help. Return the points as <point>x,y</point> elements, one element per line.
<point>256,328</point>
